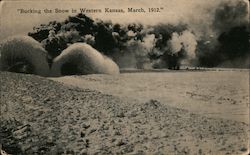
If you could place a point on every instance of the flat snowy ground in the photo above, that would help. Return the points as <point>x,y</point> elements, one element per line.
<point>223,93</point>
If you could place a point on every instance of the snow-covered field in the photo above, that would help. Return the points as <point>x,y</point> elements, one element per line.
<point>220,93</point>
<point>172,112</point>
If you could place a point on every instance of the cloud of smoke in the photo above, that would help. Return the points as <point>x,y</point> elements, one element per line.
<point>230,14</point>
<point>207,39</point>
<point>227,39</point>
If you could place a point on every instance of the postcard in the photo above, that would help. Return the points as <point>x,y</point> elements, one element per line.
<point>92,77</point>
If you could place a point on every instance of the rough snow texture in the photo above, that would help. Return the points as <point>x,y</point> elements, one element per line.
<point>223,93</point>
<point>40,116</point>
<point>87,59</point>
<point>24,47</point>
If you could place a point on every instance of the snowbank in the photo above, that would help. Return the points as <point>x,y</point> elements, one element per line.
<point>81,58</point>
<point>22,52</point>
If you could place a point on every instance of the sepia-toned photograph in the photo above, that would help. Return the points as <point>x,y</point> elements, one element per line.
<point>124,77</point>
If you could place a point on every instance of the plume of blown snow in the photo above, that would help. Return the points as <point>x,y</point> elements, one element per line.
<point>19,49</point>
<point>135,54</point>
<point>89,39</point>
<point>86,59</point>
<point>185,40</point>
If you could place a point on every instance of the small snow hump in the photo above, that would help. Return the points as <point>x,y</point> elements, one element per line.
<point>82,59</point>
<point>23,54</point>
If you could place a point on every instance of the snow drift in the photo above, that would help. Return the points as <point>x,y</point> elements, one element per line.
<point>23,54</point>
<point>81,59</point>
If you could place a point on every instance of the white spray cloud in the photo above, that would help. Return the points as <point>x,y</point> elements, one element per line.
<point>149,42</point>
<point>135,55</point>
<point>19,49</point>
<point>131,33</point>
<point>185,40</point>
<point>85,59</point>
